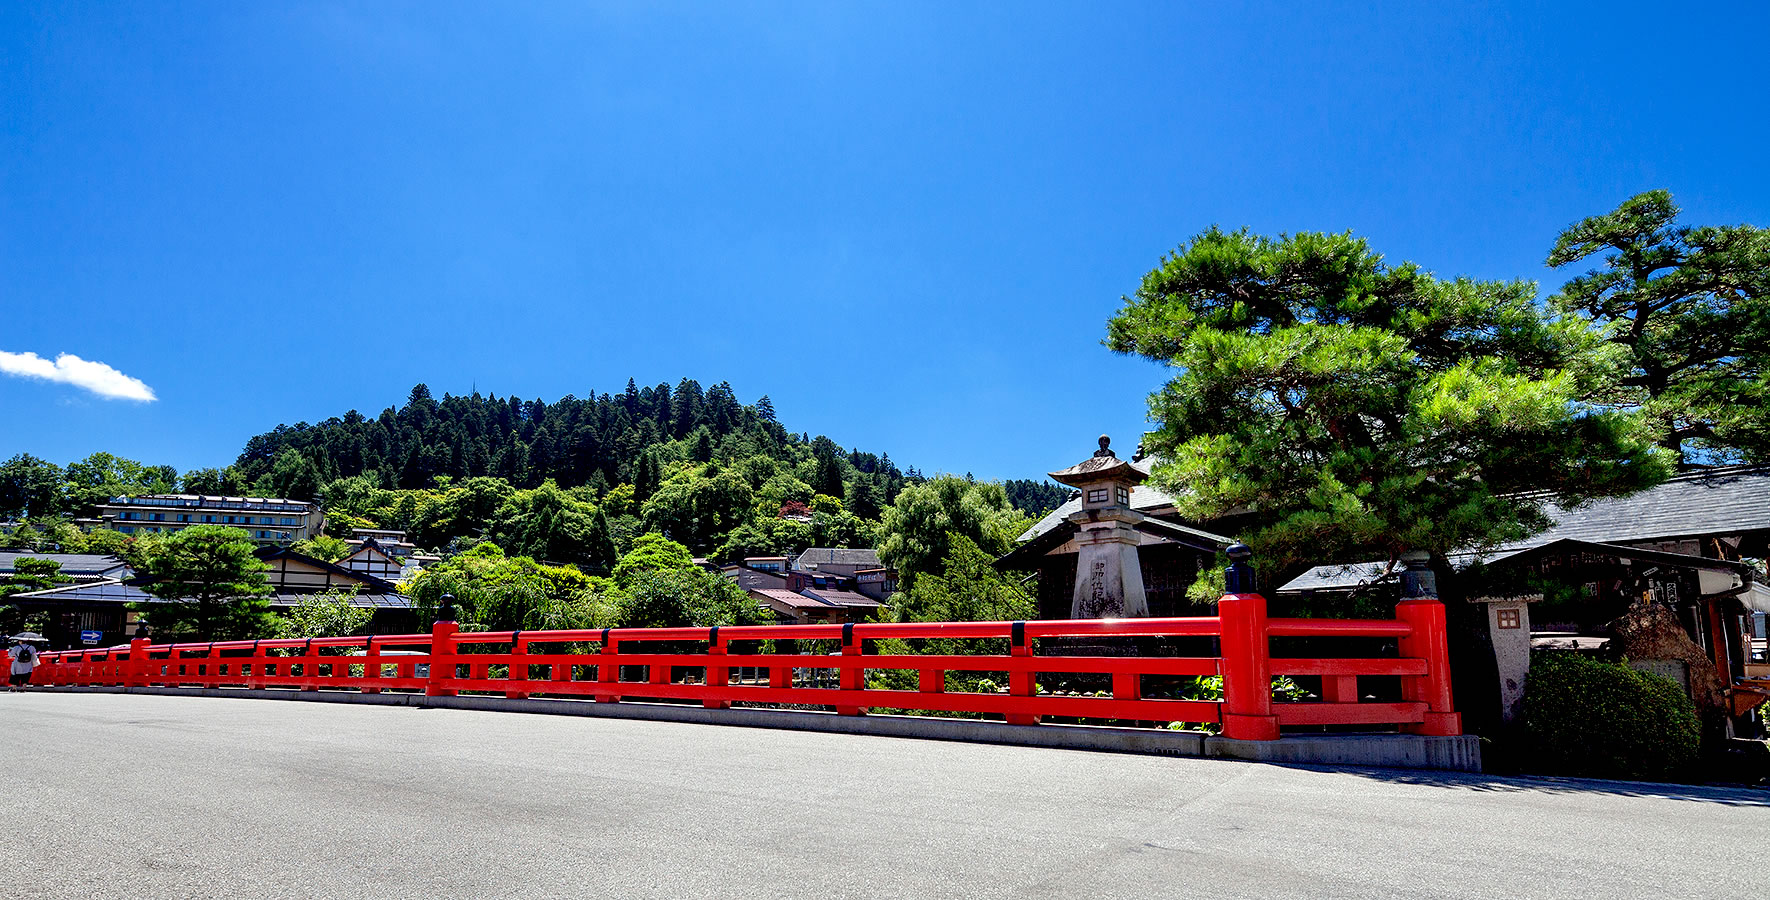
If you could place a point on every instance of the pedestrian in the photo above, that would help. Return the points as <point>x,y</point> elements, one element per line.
<point>24,659</point>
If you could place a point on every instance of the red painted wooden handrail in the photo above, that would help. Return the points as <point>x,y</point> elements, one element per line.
<point>628,664</point>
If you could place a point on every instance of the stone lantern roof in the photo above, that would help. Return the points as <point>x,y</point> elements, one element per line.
<point>1104,465</point>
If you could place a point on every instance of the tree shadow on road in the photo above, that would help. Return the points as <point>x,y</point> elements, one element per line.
<point>1725,795</point>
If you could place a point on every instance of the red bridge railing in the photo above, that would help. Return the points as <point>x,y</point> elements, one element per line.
<point>714,666</point>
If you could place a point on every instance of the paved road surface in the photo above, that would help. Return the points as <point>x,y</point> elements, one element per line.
<point>146,796</point>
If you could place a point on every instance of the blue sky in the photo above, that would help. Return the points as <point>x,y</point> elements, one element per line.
<point>905,223</point>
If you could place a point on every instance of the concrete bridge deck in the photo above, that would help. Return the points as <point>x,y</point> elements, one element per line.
<point>157,796</point>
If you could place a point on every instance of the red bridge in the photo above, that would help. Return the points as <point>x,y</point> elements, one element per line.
<point>713,666</point>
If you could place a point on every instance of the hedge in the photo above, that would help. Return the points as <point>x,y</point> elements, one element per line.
<point>1602,720</point>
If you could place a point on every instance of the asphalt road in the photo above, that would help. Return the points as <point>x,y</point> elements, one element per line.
<point>148,796</point>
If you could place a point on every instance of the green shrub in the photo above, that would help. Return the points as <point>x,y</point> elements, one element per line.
<point>1601,720</point>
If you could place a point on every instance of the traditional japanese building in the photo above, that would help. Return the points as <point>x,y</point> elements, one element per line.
<point>103,605</point>
<point>1671,579</point>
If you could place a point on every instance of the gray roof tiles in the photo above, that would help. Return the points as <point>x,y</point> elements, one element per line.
<point>842,556</point>
<point>1729,501</point>
<point>113,591</point>
<point>71,563</point>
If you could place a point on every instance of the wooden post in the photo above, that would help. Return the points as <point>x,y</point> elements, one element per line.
<point>608,666</point>
<point>718,674</point>
<point>442,650</point>
<point>1247,661</point>
<point>1427,640</point>
<point>519,667</point>
<point>853,678</point>
<point>1021,684</point>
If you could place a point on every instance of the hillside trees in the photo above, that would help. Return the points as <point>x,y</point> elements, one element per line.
<point>601,441</point>
<point>30,487</point>
<point>1361,410</point>
<point>916,534</point>
<point>1035,498</point>
<point>1690,308</point>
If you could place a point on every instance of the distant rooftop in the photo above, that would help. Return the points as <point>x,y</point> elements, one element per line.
<point>71,563</point>
<point>117,592</point>
<point>865,557</point>
<point>215,502</point>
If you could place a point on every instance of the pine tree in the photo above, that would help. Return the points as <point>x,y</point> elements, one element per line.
<point>687,407</point>
<point>1361,410</point>
<point>598,556</point>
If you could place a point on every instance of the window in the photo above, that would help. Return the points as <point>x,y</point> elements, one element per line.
<point>1124,496</point>
<point>1098,495</point>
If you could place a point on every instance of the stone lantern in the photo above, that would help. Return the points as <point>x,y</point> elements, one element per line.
<point>1109,579</point>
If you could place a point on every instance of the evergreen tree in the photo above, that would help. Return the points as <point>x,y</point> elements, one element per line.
<point>598,556</point>
<point>828,479</point>
<point>1690,310</point>
<point>1361,410</point>
<point>213,583</point>
<point>701,448</point>
<point>688,407</point>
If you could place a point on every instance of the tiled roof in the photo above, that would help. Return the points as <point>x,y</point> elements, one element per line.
<point>844,556</point>
<point>113,591</point>
<point>842,598</point>
<point>125,500</point>
<point>71,563</point>
<point>790,599</point>
<point>756,579</point>
<point>1729,501</point>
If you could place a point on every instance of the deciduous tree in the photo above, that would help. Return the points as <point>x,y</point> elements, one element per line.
<point>916,534</point>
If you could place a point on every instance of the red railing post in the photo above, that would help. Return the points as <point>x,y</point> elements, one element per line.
<point>559,671</point>
<point>1021,683</point>
<point>1428,640</point>
<point>718,674</point>
<point>371,665</point>
<point>442,659</point>
<point>1247,658</point>
<point>853,678</point>
<point>608,666</point>
<point>519,667</point>
<point>310,666</point>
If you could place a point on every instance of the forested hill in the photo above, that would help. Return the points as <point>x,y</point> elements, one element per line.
<point>596,443</point>
<point>576,480</point>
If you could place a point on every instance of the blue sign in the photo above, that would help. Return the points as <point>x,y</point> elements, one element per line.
<point>90,637</point>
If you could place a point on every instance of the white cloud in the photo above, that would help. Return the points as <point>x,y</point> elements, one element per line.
<point>70,369</point>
